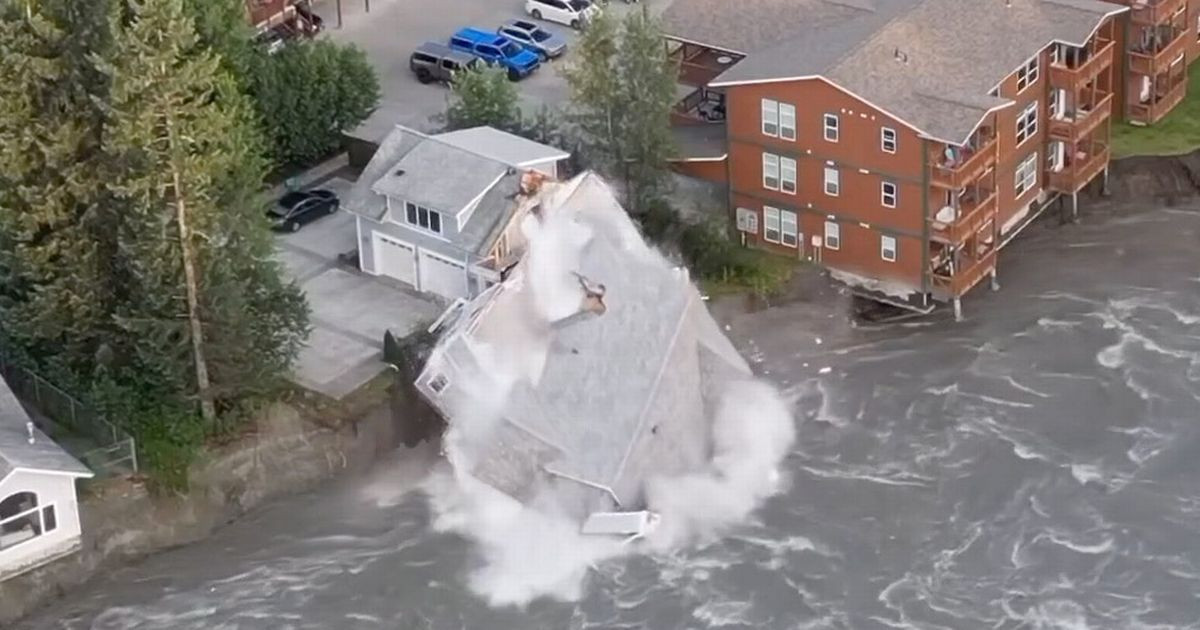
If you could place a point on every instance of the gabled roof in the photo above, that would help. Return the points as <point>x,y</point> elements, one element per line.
<point>16,451</point>
<point>440,176</point>
<point>929,63</point>
<point>502,146</point>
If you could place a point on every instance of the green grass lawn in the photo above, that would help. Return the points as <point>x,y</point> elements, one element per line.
<point>770,273</point>
<point>1176,134</point>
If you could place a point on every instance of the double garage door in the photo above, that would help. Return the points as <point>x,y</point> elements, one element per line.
<point>424,270</point>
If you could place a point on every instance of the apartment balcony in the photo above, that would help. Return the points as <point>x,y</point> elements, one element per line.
<point>1153,12</point>
<point>1080,168</point>
<point>267,13</point>
<point>1080,124</point>
<point>972,216</point>
<point>972,269</point>
<point>965,169</point>
<point>1071,73</point>
<point>1151,61</point>
<point>699,65</point>
<point>1163,100</point>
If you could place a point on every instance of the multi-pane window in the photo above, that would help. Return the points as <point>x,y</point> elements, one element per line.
<point>770,171</point>
<point>787,121</point>
<point>770,117</point>
<point>887,248</point>
<point>423,217</point>
<point>833,181</point>
<point>833,235</point>
<point>831,127</point>
<point>790,229</point>
<point>887,140</point>
<point>787,182</point>
<point>887,194</point>
<point>1026,176</point>
<point>1028,73</point>
<point>771,224</point>
<point>1027,122</point>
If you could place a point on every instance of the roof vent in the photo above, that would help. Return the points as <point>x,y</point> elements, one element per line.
<point>29,430</point>
<point>398,172</point>
<point>900,55</point>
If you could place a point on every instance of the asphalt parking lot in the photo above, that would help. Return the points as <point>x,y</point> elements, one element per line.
<point>393,28</point>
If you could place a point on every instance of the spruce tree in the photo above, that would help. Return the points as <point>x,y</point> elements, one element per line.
<point>648,80</point>
<point>207,314</point>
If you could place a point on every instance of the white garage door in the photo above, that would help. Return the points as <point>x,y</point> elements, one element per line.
<point>443,276</point>
<point>395,258</point>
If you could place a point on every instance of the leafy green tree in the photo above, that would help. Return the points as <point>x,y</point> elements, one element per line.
<point>483,96</point>
<point>207,316</point>
<point>309,93</point>
<point>55,241</point>
<point>622,90</point>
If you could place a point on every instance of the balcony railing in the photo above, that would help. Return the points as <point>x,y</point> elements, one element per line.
<point>971,217</point>
<point>967,169</point>
<point>1151,63</point>
<point>1080,170</point>
<point>973,270</point>
<point>1152,12</point>
<point>1064,76</point>
<point>1152,112</point>
<point>268,13</point>
<point>1082,123</point>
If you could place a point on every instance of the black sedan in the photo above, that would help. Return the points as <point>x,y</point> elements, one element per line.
<point>297,208</point>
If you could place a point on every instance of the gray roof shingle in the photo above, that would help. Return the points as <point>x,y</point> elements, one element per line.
<point>15,450</point>
<point>502,146</point>
<point>439,176</point>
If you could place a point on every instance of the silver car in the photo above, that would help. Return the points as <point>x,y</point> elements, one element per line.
<point>534,38</point>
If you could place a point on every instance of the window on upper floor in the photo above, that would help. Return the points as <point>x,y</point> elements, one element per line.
<point>787,121</point>
<point>887,247</point>
<point>770,224</point>
<point>787,180</point>
<point>770,170</point>
<point>1027,122</point>
<point>1028,74</point>
<point>1026,174</point>
<point>422,217</point>
<point>789,228</point>
<point>832,130</point>
<point>887,194</point>
<point>833,235</point>
<point>833,181</point>
<point>770,117</point>
<point>887,140</point>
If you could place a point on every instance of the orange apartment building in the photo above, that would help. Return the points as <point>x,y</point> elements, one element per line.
<point>902,143</point>
<point>285,14</point>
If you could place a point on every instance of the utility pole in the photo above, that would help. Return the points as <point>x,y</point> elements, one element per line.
<point>339,13</point>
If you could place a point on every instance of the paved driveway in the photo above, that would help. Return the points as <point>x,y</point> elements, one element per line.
<point>393,28</point>
<point>350,310</point>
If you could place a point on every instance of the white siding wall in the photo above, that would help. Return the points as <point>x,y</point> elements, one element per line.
<point>58,490</point>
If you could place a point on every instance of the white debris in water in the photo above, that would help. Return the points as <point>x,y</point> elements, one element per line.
<point>825,370</point>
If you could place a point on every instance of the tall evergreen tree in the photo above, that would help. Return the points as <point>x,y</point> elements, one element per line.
<point>595,91</point>
<point>208,313</point>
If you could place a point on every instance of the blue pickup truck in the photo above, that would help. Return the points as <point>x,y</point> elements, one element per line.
<point>496,50</point>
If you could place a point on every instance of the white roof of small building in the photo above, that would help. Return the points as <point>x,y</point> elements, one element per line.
<point>16,450</point>
<point>502,146</point>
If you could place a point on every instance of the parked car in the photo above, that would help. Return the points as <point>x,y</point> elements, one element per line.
<point>298,208</point>
<point>573,13</point>
<point>314,21</point>
<point>534,38</point>
<point>432,61</point>
<point>273,39</point>
<point>497,50</point>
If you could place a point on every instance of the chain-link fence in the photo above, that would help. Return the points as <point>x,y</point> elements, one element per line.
<point>100,444</point>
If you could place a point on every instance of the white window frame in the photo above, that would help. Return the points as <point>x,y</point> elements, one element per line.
<point>1028,73</point>
<point>888,199</point>
<point>787,122</point>
<point>771,224</point>
<point>789,231</point>
<point>888,244</point>
<point>415,222</point>
<point>770,118</point>
<point>1025,178</point>
<point>832,127</point>
<point>887,140</point>
<point>770,169</point>
<point>833,181</point>
<point>787,175</point>
<point>833,235</point>
<point>1027,122</point>
<point>38,512</point>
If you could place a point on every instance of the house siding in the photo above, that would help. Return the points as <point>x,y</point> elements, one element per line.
<point>55,489</point>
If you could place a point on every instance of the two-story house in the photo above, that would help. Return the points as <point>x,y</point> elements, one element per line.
<point>899,143</point>
<point>442,212</point>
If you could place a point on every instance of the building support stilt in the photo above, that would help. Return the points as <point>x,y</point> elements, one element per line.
<point>1075,207</point>
<point>958,309</point>
<point>995,281</point>
<point>1104,183</point>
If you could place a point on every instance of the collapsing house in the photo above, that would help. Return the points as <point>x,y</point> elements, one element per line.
<point>591,369</point>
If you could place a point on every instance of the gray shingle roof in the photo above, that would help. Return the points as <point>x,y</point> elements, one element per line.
<point>956,50</point>
<point>439,176</point>
<point>502,146</point>
<point>699,142</point>
<point>361,199</point>
<point>490,217</point>
<point>15,450</point>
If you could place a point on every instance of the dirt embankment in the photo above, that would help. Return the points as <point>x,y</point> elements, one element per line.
<point>1165,179</point>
